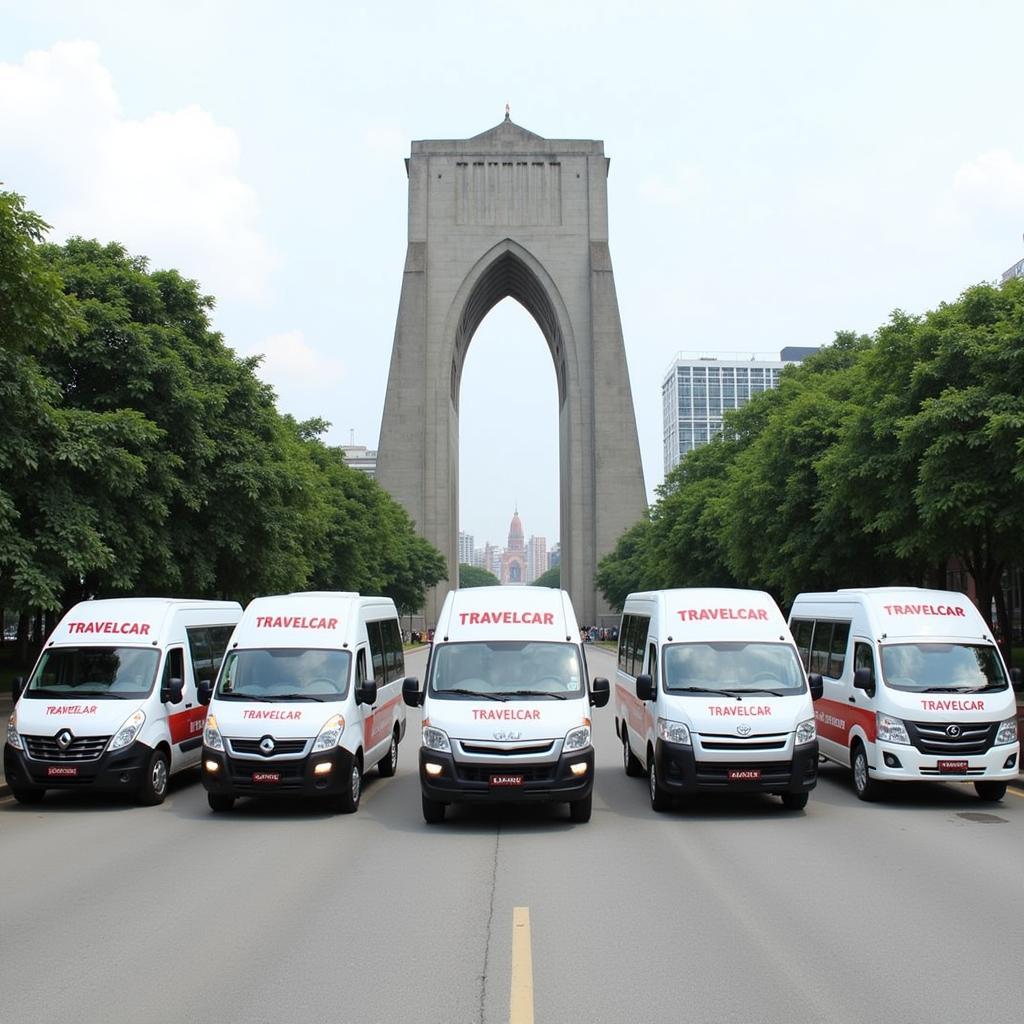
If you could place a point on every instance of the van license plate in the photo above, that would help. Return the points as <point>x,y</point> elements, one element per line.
<point>744,774</point>
<point>506,780</point>
<point>266,777</point>
<point>54,771</point>
<point>958,767</point>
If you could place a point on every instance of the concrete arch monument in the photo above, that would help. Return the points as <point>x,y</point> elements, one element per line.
<point>510,214</point>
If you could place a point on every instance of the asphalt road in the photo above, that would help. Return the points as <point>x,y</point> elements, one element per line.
<point>725,910</point>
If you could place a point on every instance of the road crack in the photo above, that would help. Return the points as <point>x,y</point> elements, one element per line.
<point>490,920</point>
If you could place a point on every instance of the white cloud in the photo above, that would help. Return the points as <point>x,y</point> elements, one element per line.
<point>166,186</point>
<point>986,191</point>
<point>306,379</point>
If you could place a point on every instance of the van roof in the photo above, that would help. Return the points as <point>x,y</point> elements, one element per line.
<point>526,613</point>
<point>129,620</point>
<point>714,613</point>
<point>313,619</point>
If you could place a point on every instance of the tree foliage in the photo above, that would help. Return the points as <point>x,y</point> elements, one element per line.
<point>551,578</point>
<point>475,576</point>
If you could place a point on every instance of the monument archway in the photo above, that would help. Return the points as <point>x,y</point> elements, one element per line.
<point>510,214</point>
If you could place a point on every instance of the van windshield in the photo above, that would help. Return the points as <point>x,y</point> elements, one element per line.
<point>733,667</point>
<point>938,668</point>
<point>284,674</point>
<point>506,670</point>
<point>115,673</point>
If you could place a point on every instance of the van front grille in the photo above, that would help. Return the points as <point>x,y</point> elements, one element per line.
<point>82,748</point>
<point>952,739</point>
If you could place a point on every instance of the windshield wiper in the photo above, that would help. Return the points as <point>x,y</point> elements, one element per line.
<point>235,695</point>
<point>44,692</point>
<point>531,693</point>
<point>297,696</point>
<point>103,693</point>
<point>771,693</point>
<point>474,693</point>
<point>691,689</point>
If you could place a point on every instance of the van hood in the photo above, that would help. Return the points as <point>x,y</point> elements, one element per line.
<point>754,715</point>
<point>241,719</point>
<point>532,719</point>
<point>951,706</point>
<point>84,716</point>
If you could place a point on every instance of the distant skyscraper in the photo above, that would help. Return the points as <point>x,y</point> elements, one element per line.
<point>555,556</point>
<point>358,456</point>
<point>465,548</point>
<point>536,558</point>
<point>699,389</point>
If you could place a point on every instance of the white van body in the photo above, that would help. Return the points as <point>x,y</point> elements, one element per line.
<point>94,713</point>
<point>506,705</point>
<point>308,699</point>
<point>934,700</point>
<point>710,696</point>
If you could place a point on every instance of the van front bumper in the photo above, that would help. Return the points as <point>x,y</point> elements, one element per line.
<point>238,776</point>
<point>680,772</point>
<point>111,771</point>
<point>487,782</point>
<point>900,762</point>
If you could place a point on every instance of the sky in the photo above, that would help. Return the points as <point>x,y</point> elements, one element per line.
<point>779,172</point>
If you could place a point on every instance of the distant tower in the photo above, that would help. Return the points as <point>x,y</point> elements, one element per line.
<point>513,560</point>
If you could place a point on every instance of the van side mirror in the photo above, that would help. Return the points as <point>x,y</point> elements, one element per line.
<point>411,692</point>
<point>204,692</point>
<point>173,692</point>
<point>366,692</point>
<point>645,687</point>
<point>817,685</point>
<point>18,685</point>
<point>864,679</point>
<point>600,691</point>
<point>1016,679</point>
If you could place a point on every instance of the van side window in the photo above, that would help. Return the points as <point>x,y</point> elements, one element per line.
<point>631,643</point>
<point>864,657</point>
<point>802,630</point>
<point>174,667</point>
<point>394,655</point>
<point>361,666</point>
<point>837,654</point>
<point>219,637</point>
<point>202,655</point>
<point>376,651</point>
<point>652,664</point>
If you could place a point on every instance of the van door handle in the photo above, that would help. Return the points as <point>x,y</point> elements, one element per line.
<point>853,700</point>
<point>188,705</point>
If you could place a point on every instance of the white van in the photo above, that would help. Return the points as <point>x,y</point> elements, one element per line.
<point>308,699</point>
<point>506,706</point>
<point>710,695</point>
<point>112,703</point>
<point>915,687</point>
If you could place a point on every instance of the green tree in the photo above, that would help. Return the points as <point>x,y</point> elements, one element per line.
<point>475,576</point>
<point>551,578</point>
<point>624,569</point>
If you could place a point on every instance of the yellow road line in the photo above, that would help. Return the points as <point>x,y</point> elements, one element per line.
<point>1016,792</point>
<point>521,1004</point>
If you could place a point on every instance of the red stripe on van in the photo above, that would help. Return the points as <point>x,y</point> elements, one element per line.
<point>834,720</point>
<point>379,724</point>
<point>186,725</point>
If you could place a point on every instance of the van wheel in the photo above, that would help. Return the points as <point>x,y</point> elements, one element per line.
<point>794,801</point>
<point>863,785</point>
<point>153,787</point>
<point>634,769</point>
<point>347,802</point>
<point>28,797</point>
<point>659,799</point>
<point>990,792</point>
<point>220,802</point>
<point>389,765</point>
<point>579,810</point>
<point>433,811</point>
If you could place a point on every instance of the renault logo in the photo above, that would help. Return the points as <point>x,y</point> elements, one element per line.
<point>743,730</point>
<point>64,739</point>
<point>953,730</point>
<point>266,746</point>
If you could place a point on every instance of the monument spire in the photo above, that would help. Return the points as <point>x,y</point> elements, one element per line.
<point>508,113</point>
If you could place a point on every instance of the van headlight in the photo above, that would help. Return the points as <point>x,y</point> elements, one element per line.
<point>576,739</point>
<point>211,734</point>
<point>890,729</point>
<point>674,732</point>
<point>806,732</point>
<point>330,735</point>
<point>1006,733</point>
<point>12,732</point>
<point>435,739</point>
<point>128,732</point>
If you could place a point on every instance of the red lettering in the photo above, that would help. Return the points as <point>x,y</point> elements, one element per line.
<point>510,618</point>
<point>703,614</point>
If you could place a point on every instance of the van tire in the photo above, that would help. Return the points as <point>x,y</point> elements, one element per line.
<point>153,785</point>
<point>630,762</point>
<point>220,802</point>
<point>433,811</point>
<point>863,785</point>
<point>990,792</point>
<point>28,797</point>
<point>794,801</point>
<point>660,800</point>
<point>347,802</point>
<point>388,764</point>
<point>579,810</point>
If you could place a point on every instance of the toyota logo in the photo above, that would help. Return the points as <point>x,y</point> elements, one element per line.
<point>64,739</point>
<point>266,746</point>
<point>953,730</point>
<point>743,730</point>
